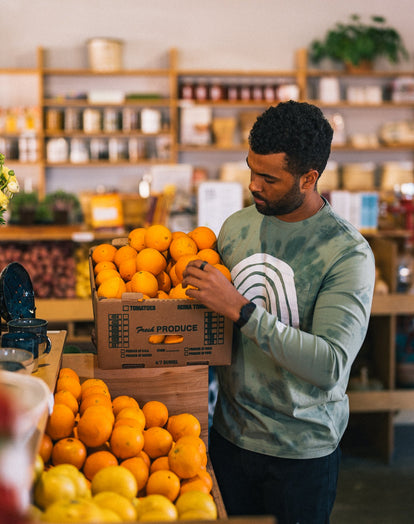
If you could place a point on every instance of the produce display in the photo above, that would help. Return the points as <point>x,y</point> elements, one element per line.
<point>51,266</point>
<point>104,459</point>
<point>153,261</point>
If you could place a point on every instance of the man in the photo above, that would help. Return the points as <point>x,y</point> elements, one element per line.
<point>303,283</point>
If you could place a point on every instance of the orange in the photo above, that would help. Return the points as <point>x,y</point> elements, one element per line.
<point>96,461</point>
<point>104,275</point>
<point>94,389</point>
<point>136,238</point>
<point>69,451</point>
<point>224,270</point>
<point>127,269</point>
<point>69,384</point>
<point>60,422</point>
<point>183,424</point>
<point>181,264</point>
<point>157,442</point>
<point>178,291</point>
<point>144,282</point>
<point>204,237</point>
<point>90,382</point>
<point>96,399</point>
<point>134,413</point>
<point>163,482</point>
<point>66,397</point>
<point>181,246</point>
<point>156,339</point>
<point>101,411</point>
<point>103,252</point>
<point>105,264</point>
<point>173,276</point>
<point>158,237</point>
<point>139,468</point>
<point>112,287</point>
<point>201,482</point>
<point>124,253</point>
<point>198,443</point>
<point>123,401</point>
<point>178,234</point>
<point>128,287</point>
<point>94,429</point>
<point>159,463</point>
<point>185,460</point>
<point>126,441</point>
<point>209,255</point>
<point>164,281</point>
<point>128,422</point>
<point>162,295</point>
<point>173,339</point>
<point>145,458</point>
<point>45,447</point>
<point>149,259</point>
<point>68,372</point>
<point>156,413</point>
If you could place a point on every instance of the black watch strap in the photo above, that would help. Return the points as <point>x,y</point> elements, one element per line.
<point>245,313</point>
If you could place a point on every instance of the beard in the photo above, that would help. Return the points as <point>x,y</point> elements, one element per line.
<point>285,205</point>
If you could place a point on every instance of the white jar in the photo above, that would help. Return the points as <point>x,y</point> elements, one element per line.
<point>150,121</point>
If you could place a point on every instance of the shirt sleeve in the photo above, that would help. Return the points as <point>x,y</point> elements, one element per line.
<point>324,354</point>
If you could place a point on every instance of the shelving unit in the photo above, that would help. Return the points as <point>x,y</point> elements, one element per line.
<point>376,407</point>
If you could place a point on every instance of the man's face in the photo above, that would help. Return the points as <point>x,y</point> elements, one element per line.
<point>275,191</point>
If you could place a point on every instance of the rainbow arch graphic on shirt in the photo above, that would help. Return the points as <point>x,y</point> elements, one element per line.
<point>268,282</point>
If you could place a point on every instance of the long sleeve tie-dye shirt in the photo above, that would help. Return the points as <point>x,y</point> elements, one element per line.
<point>312,281</point>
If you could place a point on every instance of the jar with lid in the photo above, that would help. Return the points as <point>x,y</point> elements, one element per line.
<point>73,121</point>
<point>187,90</point>
<point>129,119</point>
<point>91,120</point>
<point>216,91</point>
<point>201,91</point>
<point>54,120</point>
<point>110,120</point>
<point>257,92</point>
<point>78,151</point>
<point>245,93</point>
<point>232,92</point>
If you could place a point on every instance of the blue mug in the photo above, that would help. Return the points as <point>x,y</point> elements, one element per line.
<point>28,341</point>
<point>33,325</point>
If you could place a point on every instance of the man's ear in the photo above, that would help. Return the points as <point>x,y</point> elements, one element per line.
<point>309,179</point>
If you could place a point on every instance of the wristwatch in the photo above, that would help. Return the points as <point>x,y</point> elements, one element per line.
<point>245,313</point>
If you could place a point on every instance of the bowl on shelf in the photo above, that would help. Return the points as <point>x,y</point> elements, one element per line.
<point>16,359</point>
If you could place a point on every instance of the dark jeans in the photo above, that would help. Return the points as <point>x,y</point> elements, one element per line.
<point>295,491</point>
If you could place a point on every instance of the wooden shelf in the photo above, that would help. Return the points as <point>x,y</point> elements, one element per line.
<point>381,401</point>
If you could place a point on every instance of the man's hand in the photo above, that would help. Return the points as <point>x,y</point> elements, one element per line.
<point>212,289</point>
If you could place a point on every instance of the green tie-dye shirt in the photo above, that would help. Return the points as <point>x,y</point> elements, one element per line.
<point>312,281</point>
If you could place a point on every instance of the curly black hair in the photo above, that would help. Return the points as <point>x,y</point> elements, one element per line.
<point>297,129</point>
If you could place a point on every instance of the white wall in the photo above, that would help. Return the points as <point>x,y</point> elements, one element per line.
<point>207,33</point>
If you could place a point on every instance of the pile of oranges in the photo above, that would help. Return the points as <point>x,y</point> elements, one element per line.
<point>92,431</point>
<point>153,261</point>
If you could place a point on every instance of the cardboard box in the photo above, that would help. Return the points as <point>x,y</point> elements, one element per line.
<point>123,328</point>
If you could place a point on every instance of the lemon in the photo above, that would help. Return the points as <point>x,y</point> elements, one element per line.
<point>79,479</point>
<point>53,487</point>
<point>109,516</point>
<point>196,500</point>
<point>196,514</point>
<point>155,504</point>
<point>117,479</point>
<point>76,510</point>
<point>118,504</point>
<point>38,468</point>
<point>156,516</point>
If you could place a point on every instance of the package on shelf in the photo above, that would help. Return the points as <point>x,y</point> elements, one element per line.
<point>360,208</point>
<point>124,328</point>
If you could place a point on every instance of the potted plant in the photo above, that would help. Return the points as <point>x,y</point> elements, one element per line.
<point>64,206</point>
<point>357,43</point>
<point>23,208</point>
